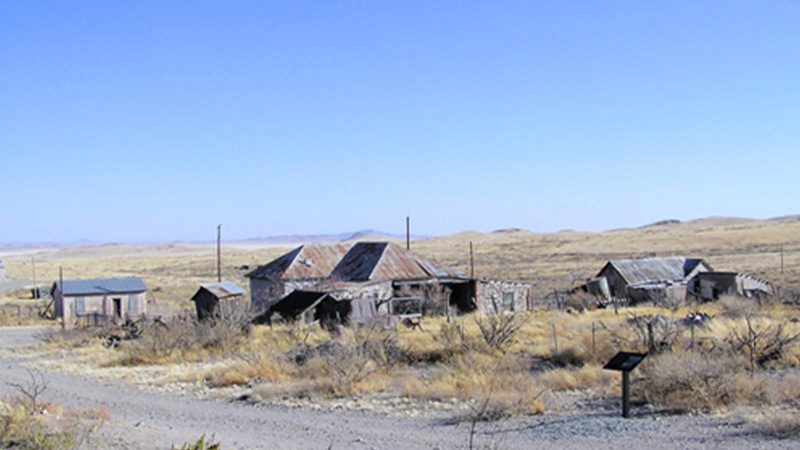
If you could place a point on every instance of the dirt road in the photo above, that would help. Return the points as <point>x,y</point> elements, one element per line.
<point>158,420</point>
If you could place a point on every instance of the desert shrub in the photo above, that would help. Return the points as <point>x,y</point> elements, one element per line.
<point>780,424</point>
<point>572,356</point>
<point>691,382</point>
<point>764,343</point>
<point>498,330</point>
<point>201,444</point>
<point>183,340</point>
<point>24,425</point>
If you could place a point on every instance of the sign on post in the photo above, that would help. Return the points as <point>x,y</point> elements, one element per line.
<point>625,362</point>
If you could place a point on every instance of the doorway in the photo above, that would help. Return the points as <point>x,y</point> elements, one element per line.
<point>117,308</point>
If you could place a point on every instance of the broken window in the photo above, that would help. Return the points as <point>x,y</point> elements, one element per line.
<point>508,301</point>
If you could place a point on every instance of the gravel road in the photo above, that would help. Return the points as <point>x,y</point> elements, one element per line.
<point>158,420</point>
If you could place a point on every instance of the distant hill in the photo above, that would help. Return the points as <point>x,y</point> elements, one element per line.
<point>329,238</point>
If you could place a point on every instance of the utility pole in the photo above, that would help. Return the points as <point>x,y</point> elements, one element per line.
<point>33,271</point>
<point>408,233</point>
<point>61,294</point>
<point>219,254</point>
<point>471,261</point>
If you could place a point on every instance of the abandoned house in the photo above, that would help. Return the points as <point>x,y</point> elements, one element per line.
<point>97,302</point>
<point>381,279</point>
<point>649,279</point>
<point>707,286</point>
<point>208,298</point>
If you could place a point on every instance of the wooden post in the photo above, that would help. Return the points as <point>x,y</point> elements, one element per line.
<point>471,261</point>
<point>593,341</point>
<point>61,294</point>
<point>408,233</point>
<point>33,273</point>
<point>626,394</point>
<point>555,337</point>
<point>219,254</point>
<point>692,331</point>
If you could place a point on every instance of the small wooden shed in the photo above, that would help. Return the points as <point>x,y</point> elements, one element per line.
<point>208,297</point>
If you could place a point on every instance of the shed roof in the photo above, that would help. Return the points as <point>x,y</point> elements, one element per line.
<point>303,262</point>
<point>102,286</point>
<point>649,270</point>
<point>223,289</point>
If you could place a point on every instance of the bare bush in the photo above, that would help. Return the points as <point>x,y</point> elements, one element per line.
<point>499,330</point>
<point>691,382</point>
<point>762,344</point>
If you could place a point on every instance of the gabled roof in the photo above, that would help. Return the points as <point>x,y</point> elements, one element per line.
<point>221,290</point>
<point>303,262</point>
<point>102,286</point>
<point>383,261</point>
<point>653,270</point>
<point>360,262</point>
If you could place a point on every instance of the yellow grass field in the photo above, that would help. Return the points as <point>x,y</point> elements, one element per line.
<point>547,260</point>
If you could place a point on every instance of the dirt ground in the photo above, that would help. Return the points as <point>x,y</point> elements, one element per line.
<point>144,419</point>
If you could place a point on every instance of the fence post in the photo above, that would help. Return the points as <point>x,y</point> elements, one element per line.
<point>555,337</point>
<point>593,340</point>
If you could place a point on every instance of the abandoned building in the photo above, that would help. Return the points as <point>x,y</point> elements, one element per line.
<point>707,286</point>
<point>381,279</point>
<point>649,279</point>
<point>208,298</point>
<point>99,301</point>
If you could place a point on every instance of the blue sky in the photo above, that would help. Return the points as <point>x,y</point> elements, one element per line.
<point>146,121</point>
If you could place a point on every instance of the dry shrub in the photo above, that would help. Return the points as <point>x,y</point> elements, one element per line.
<point>500,387</point>
<point>781,424</point>
<point>691,382</point>
<point>572,356</point>
<point>499,330</point>
<point>182,340</point>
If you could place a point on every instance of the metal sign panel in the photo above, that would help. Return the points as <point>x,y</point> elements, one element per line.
<point>625,361</point>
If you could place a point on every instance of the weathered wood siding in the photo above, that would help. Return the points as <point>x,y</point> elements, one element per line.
<point>71,308</point>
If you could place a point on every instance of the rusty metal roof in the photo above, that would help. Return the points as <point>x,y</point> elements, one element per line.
<point>303,262</point>
<point>223,289</point>
<point>653,270</point>
<point>359,262</point>
<point>376,261</point>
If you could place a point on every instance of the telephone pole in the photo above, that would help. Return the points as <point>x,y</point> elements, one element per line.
<point>219,254</point>
<point>408,233</point>
<point>471,261</point>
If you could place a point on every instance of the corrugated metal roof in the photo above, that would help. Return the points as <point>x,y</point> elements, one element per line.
<point>653,270</point>
<point>304,262</point>
<point>360,262</point>
<point>102,286</point>
<point>223,289</point>
<point>377,261</point>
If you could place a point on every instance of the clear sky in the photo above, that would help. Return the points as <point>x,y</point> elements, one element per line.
<point>141,121</point>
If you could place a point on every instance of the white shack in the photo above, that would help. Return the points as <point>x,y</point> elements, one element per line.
<point>99,301</point>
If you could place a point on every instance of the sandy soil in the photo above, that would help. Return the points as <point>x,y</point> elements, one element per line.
<point>143,419</point>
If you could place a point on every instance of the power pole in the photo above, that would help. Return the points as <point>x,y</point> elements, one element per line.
<point>33,270</point>
<point>219,254</point>
<point>61,294</point>
<point>408,233</point>
<point>471,261</point>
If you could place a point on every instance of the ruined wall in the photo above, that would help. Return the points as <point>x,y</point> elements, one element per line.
<point>501,296</point>
<point>264,293</point>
